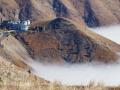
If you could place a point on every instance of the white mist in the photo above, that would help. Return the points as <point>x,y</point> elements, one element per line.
<point>81,74</point>
<point>111,32</point>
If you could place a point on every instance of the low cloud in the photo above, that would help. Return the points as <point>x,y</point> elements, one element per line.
<point>81,74</point>
<point>111,32</point>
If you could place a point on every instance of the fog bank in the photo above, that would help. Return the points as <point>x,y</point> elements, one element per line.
<point>81,74</point>
<point>111,32</point>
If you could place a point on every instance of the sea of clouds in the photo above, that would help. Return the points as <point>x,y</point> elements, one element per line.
<point>83,74</point>
<point>110,32</point>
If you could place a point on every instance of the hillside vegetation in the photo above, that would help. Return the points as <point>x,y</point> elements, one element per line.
<point>91,12</point>
<point>61,41</point>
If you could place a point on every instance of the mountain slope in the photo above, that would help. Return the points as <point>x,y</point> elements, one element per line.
<point>93,13</point>
<point>14,78</point>
<point>61,40</point>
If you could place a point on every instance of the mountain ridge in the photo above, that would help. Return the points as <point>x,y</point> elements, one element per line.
<point>61,38</point>
<point>90,12</point>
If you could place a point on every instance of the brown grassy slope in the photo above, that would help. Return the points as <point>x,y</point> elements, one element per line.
<point>100,12</point>
<point>105,14</point>
<point>93,12</point>
<point>15,78</point>
<point>7,8</point>
<point>84,29</point>
<point>13,51</point>
<point>71,43</point>
<point>98,38</point>
<point>41,46</point>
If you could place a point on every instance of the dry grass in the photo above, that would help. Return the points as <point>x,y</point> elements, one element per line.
<point>51,86</point>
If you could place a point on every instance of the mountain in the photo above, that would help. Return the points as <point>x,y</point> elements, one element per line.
<point>60,40</point>
<point>91,12</point>
<point>14,78</point>
<point>62,29</point>
<point>58,34</point>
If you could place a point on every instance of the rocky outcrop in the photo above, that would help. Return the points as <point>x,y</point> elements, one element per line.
<point>60,9</point>
<point>15,53</point>
<point>89,15</point>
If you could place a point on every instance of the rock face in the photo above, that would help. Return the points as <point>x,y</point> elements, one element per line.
<point>89,15</point>
<point>91,12</point>
<point>60,40</point>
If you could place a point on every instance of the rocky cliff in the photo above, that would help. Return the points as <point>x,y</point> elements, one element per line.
<point>67,39</point>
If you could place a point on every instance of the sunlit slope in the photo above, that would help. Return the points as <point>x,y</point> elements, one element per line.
<point>12,50</point>
<point>14,78</point>
<point>91,12</point>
